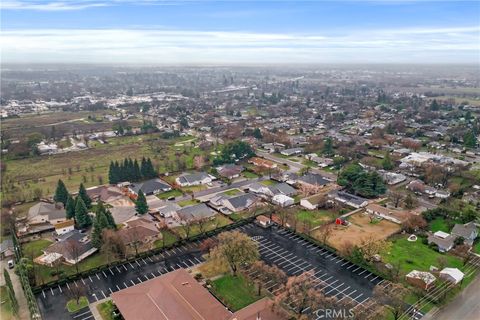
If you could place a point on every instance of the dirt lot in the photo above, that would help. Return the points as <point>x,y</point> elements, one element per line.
<point>359,229</point>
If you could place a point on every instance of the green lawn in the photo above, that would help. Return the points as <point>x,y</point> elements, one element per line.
<point>476,247</point>
<point>168,194</point>
<point>35,248</point>
<point>417,256</point>
<point>106,310</point>
<point>249,175</point>
<point>6,312</point>
<point>439,224</point>
<point>232,192</point>
<point>218,221</point>
<point>169,239</point>
<point>316,217</point>
<point>188,202</point>
<point>268,182</point>
<point>235,292</point>
<point>72,305</point>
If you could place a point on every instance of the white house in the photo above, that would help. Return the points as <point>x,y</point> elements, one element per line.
<point>194,179</point>
<point>64,227</point>
<point>282,200</point>
<point>452,275</point>
<point>312,202</point>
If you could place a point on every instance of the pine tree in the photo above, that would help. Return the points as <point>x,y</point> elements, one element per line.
<point>110,220</point>
<point>144,169</point>
<point>82,218</point>
<point>137,175</point>
<point>151,171</point>
<point>70,208</point>
<point>141,205</point>
<point>61,193</point>
<point>112,174</point>
<point>100,223</point>
<point>82,193</point>
<point>10,292</point>
<point>387,163</point>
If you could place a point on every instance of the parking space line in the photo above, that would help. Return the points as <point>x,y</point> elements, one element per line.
<point>68,286</point>
<point>104,274</point>
<point>83,281</point>
<point>199,261</point>
<point>144,261</point>
<point>110,269</point>
<point>138,263</point>
<point>361,294</point>
<point>125,284</point>
<point>76,285</point>
<point>118,287</point>
<point>356,269</point>
<point>90,279</point>
<point>97,276</point>
<point>131,265</point>
<point>51,290</point>
<point>185,264</point>
<point>138,278</point>
<point>371,280</point>
<point>146,277</point>
<point>43,292</point>
<point>110,290</point>
<point>364,270</point>
<point>133,283</point>
<point>124,267</point>
<point>104,296</point>
<point>118,269</point>
<point>60,289</point>
<point>81,314</point>
<point>351,266</point>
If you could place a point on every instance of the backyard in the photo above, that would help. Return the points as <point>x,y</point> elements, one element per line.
<point>315,217</point>
<point>235,291</point>
<point>217,222</point>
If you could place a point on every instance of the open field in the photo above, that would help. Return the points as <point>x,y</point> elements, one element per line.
<point>360,229</point>
<point>90,166</point>
<point>235,291</point>
<point>315,217</point>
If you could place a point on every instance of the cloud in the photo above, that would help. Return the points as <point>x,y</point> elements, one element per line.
<point>70,5</point>
<point>179,46</point>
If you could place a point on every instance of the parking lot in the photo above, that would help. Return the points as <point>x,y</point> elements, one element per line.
<point>52,301</point>
<point>294,255</point>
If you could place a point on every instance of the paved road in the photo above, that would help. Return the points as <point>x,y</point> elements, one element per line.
<point>52,301</point>
<point>465,306</point>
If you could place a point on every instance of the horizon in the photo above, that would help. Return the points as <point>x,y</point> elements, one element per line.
<point>240,33</point>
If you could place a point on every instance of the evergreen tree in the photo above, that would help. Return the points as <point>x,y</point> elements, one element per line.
<point>137,175</point>
<point>150,169</point>
<point>257,133</point>
<point>70,208</point>
<point>387,163</point>
<point>469,140</point>
<point>110,220</point>
<point>144,169</point>
<point>112,174</point>
<point>61,193</point>
<point>10,292</point>
<point>100,223</point>
<point>82,218</point>
<point>141,205</point>
<point>434,106</point>
<point>328,147</point>
<point>82,193</point>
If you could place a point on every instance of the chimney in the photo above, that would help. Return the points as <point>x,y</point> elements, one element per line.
<point>258,316</point>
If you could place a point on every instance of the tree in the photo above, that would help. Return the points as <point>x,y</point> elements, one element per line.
<point>325,232</point>
<point>328,146</point>
<point>367,184</point>
<point>141,205</point>
<point>387,162</point>
<point>236,249</point>
<point>187,227</point>
<point>74,250</point>
<point>82,193</point>
<point>370,247</point>
<point>61,193</point>
<point>82,219</point>
<point>10,292</point>
<point>76,292</point>
<point>410,202</point>
<point>395,197</point>
<point>112,246</point>
<point>207,245</point>
<point>257,133</point>
<point>392,296</point>
<point>237,150</point>
<point>434,106</point>
<point>70,208</point>
<point>414,223</point>
<point>469,139</point>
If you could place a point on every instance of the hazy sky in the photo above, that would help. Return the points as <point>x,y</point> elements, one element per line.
<point>226,32</point>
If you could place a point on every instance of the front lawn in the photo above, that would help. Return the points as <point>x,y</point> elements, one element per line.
<point>106,310</point>
<point>417,256</point>
<point>235,292</point>
<point>168,194</point>
<point>232,192</point>
<point>6,312</point>
<point>249,175</point>
<point>72,305</point>
<point>268,182</point>
<point>188,202</point>
<point>476,247</point>
<point>35,248</point>
<point>439,224</point>
<point>316,217</point>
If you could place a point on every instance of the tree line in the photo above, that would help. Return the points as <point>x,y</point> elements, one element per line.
<point>131,170</point>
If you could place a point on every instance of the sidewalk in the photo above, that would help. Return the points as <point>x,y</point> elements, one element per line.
<point>94,310</point>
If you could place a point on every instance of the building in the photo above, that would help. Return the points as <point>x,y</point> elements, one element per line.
<point>467,231</point>
<point>240,202</point>
<point>149,187</point>
<point>45,212</point>
<point>259,162</point>
<point>71,248</point>
<point>194,213</point>
<point>313,180</point>
<point>194,179</point>
<point>452,275</point>
<point>230,171</point>
<point>395,216</point>
<point>443,240</point>
<point>263,221</point>
<point>282,200</point>
<point>421,279</point>
<point>313,202</point>
<point>139,231</point>
<point>350,199</point>
<point>105,193</point>
<point>292,151</point>
<point>64,227</point>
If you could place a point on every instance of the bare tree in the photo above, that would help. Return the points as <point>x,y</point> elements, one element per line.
<point>325,232</point>
<point>202,224</point>
<point>187,227</point>
<point>414,223</point>
<point>392,296</point>
<point>395,197</point>
<point>76,292</point>
<point>74,250</point>
<point>113,246</point>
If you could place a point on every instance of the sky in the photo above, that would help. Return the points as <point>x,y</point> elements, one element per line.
<point>239,32</point>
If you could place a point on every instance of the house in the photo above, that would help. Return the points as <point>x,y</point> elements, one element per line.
<point>272,147</point>
<point>313,180</point>
<point>392,178</point>
<point>230,171</point>
<point>350,199</point>
<point>105,193</point>
<point>395,216</point>
<point>177,295</point>
<point>45,212</point>
<point>292,151</point>
<point>313,202</point>
<point>149,187</point>
<point>71,248</point>
<point>6,248</point>
<point>194,179</point>
<point>121,214</point>
<point>194,213</point>
<point>263,221</point>
<point>259,188</point>
<point>443,240</point>
<point>260,162</point>
<point>139,231</point>
<point>283,189</point>
<point>64,226</point>
<point>321,162</point>
<point>467,231</point>
<point>421,279</point>
<point>452,275</point>
<point>240,203</point>
<point>282,200</point>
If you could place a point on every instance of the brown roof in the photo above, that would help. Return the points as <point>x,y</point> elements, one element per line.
<point>173,296</point>
<point>262,309</point>
<point>261,162</point>
<point>136,233</point>
<point>63,224</point>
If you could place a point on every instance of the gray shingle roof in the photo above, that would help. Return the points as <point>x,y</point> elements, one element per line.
<point>150,186</point>
<point>53,211</point>
<point>314,179</point>
<point>195,212</point>
<point>242,201</point>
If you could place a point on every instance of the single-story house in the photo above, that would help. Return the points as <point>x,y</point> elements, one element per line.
<point>282,200</point>
<point>123,213</point>
<point>350,199</point>
<point>291,151</point>
<point>194,179</point>
<point>139,231</point>
<point>270,191</point>
<point>241,202</point>
<point>149,187</point>
<point>393,215</point>
<point>467,231</point>
<point>260,162</point>
<point>421,279</point>
<point>64,226</point>
<point>322,162</point>
<point>443,240</point>
<point>106,193</point>
<point>312,202</point>
<point>230,171</point>
<point>45,212</point>
<point>71,247</point>
<point>452,275</point>
<point>194,213</point>
<point>168,210</point>
<point>313,180</point>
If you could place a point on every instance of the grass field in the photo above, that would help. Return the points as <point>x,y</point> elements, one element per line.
<point>476,247</point>
<point>35,248</point>
<point>439,224</point>
<point>417,256</point>
<point>168,194</point>
<point>249,175</point>
<point>232,192</point>
<point>235,292</point>
<point>73,306</point>
<point>268,182</point>
<point>188,202</point>
<point>169,238</point>
<point>106,309</point>
<point>316,217</point>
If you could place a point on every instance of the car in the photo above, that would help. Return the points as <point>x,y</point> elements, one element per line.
<point>11,264</point>
<point>171,198</point>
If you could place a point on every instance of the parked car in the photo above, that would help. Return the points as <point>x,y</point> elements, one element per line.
<point>11,264</point>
